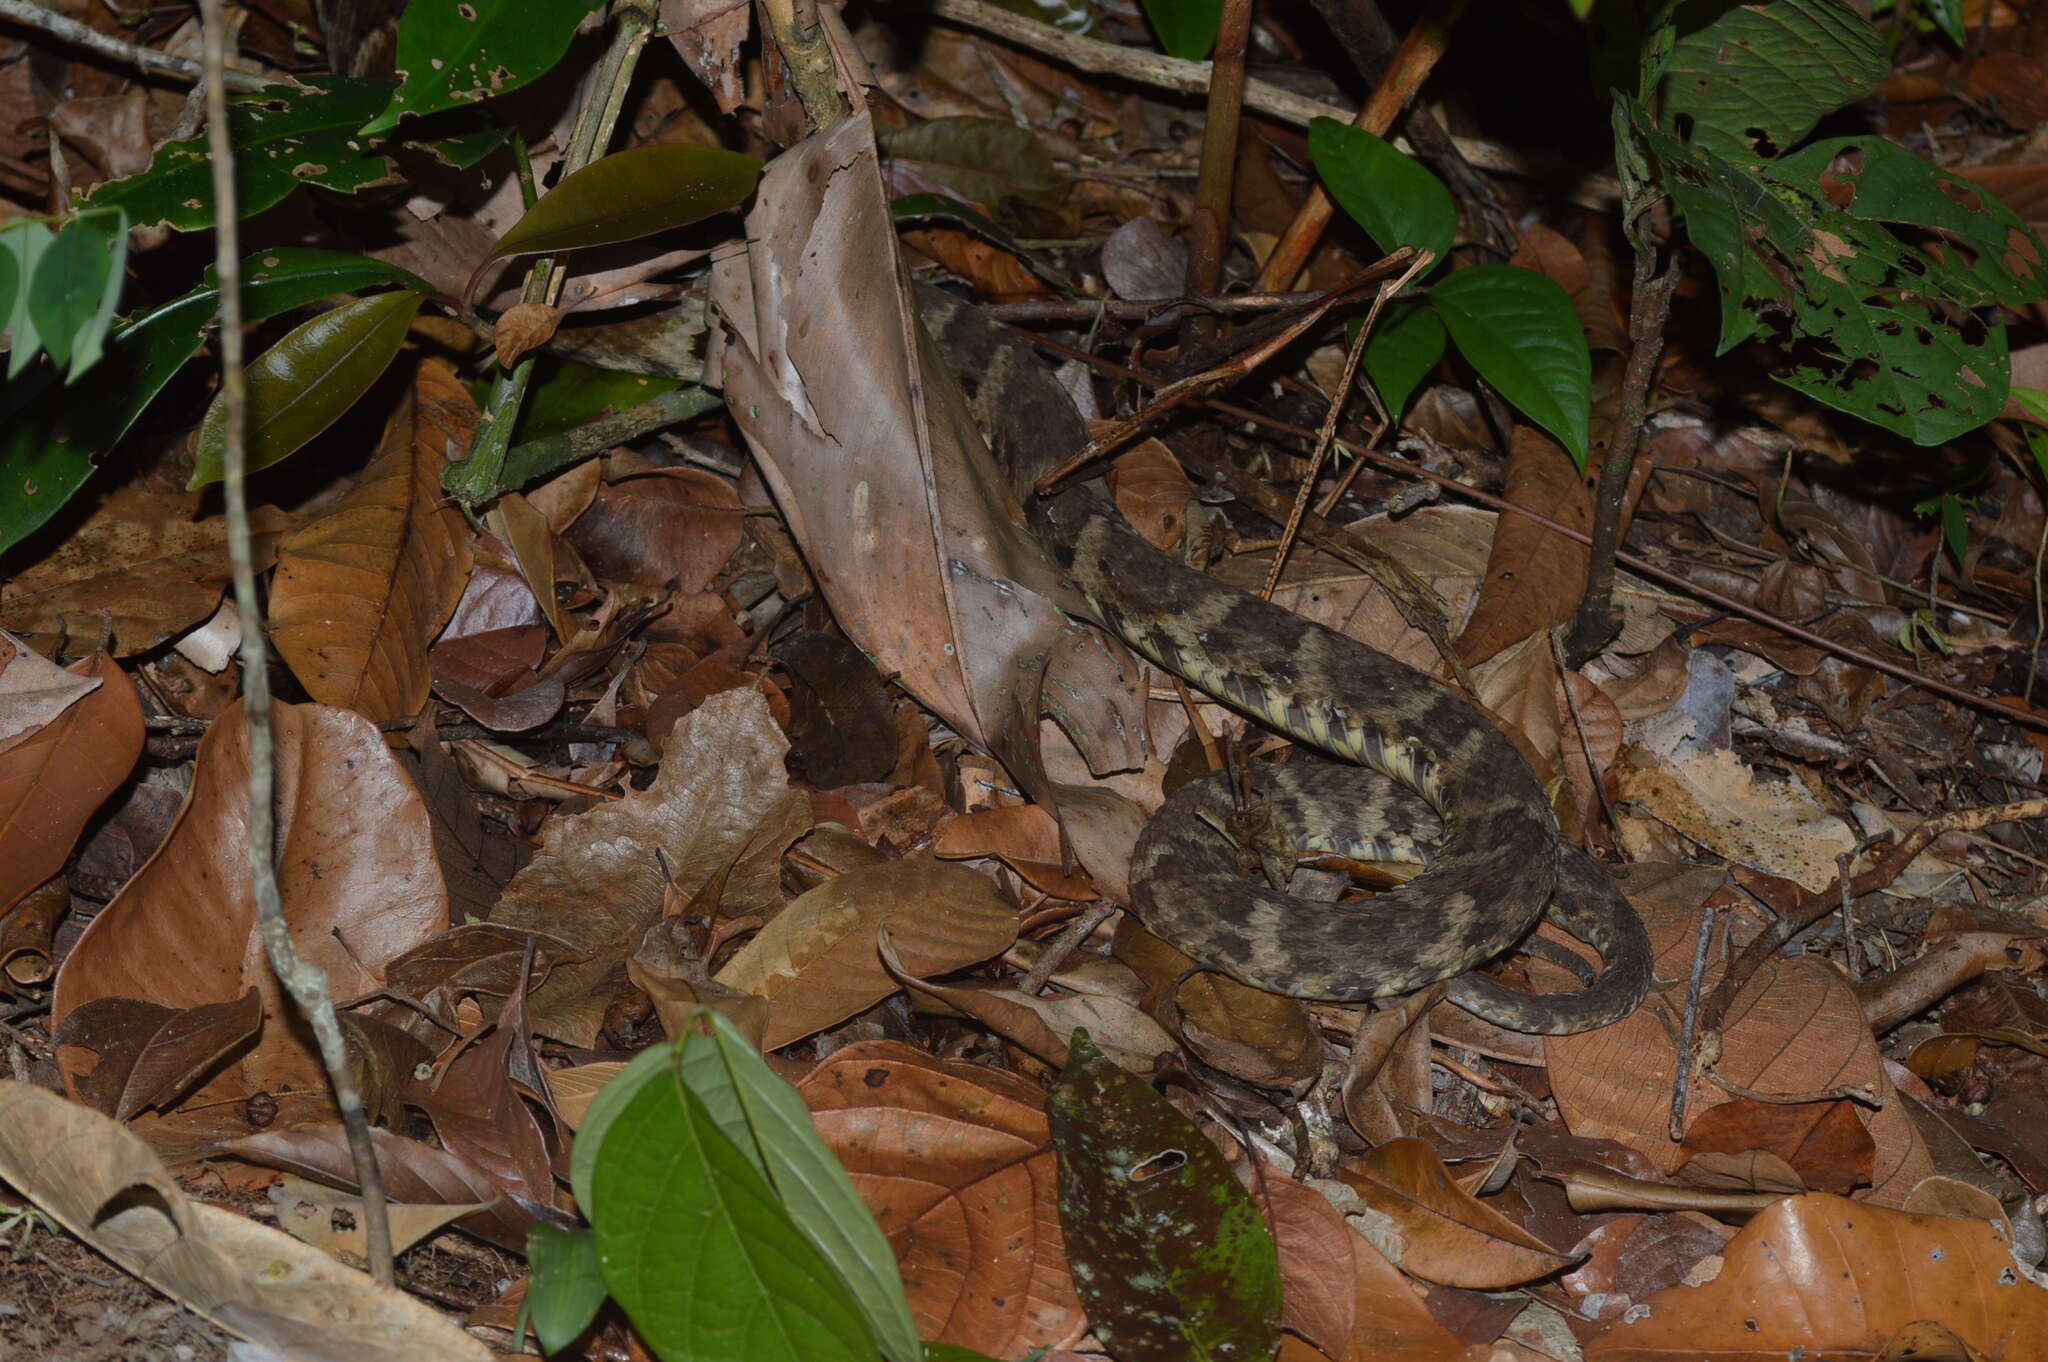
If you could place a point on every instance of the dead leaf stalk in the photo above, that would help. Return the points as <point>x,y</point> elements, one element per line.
<point>1688,1023</point>
<point>1597,621</point>
<point>1209,234</point>
<point>306,983</point>
<point>1064,945</point>
<point>1404,75</point>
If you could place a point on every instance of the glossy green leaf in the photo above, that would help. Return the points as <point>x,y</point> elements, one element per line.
<point>456,52</point>
<point>631,194</point>
<point>465,149</point>
<point>694,1244</point>
<point>985,160</point>
<point>567,1287</point>
<point>284,137</point>
<point>1401,351</point>
<point>1749,80</point>
<point>1393,196</point>
<point>1186,28</point>
<point>25,242</point>
<point>1170,1254</point>
<point>2037,444</point>
<point>2034,401</point>
<point>943,208</point>
<point>1519,330</point>
<point>302,385</point>
<point>1948,17</point>
<point>282,278</point>
<point>76,284</point>
<point>567,393</point>
<point>10,283</point>
<point>767,1120</point>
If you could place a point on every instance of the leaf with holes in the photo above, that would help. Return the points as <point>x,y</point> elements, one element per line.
<point>632,194</point>
<point>1171,1255</point>
<point>77,282</point>
<point>1391,195</point>
<point>1754,79</point>
<point>1519,330</point>
<point>284,136</point>
<point>457,52</point>
<point>302,385</point>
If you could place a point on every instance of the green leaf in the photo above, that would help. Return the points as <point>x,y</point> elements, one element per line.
<point>1948,17</point>
<point>567,1289</point>
<point>567,393</point>
<point>456,52</point>
<point>1518,329</point>
<point>10,281</point>
<point>1752,80</point>
<point>1186,28</point>
<point>76,284</point>
<point>1401,351</point>
<point>302,385</point>
<point>2034,401</point>
<point>953,1352</point>
<point>1170,1254</point>
<point>945,208</point>
<point>1392,196</point>
<point>984,160</point>
<point>25,242</point>
<point>694,1244</point>
<point>767,1120</point>
<point>283,136</point>
<point>462,150</point>
<point>631,194</point>
<point>2037,442</point>
<point>282,278</point>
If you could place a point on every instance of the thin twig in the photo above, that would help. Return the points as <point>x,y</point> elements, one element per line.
<point>1209,233</point>
<point>305,982</point>
<point>1162,313</point>
<point>1688,1021</point>
<point>131,54</point>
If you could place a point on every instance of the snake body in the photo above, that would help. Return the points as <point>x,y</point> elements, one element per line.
<point>1431,769</point>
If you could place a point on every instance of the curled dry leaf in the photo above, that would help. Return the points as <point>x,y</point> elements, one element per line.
<point>34,690</point>
<point>493,676</point>
<point>355,865</point>
<point>27,931</point>
<point>720,808</point>
<point>524,327</point>
<point>955,1161</point>
<point>1837,1278</point>
<point>362,588</point>
<point>150,1055</point>
<point>1447,1234</point>
<point>101,1181</point>
<point>53,779</point>
<point>816,959</point>
<point>674,527</point>
<point>305,1210</point>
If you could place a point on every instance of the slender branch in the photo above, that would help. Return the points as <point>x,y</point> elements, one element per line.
<point>305,982</point>
<point>1403,77</point>
<point>1211,229</point>
<point>131,54</point>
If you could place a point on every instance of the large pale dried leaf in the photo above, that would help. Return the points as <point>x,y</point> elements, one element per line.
<point>816,959</point>
<point>362,588</point>
<point>1718,800</point>
<point>53,779</point>
<point>1826,1277</point>
<point>922,558</point>
<point>1447,1234</point>
<point>306,1211</point>
<point>955,1161</point>
<point>151,561</point>
<point>103,1183</point>
<point>355,866</point>
<point>33,689</point>
<point>720,808</point>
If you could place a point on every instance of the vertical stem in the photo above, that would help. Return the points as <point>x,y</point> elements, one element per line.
<point>1649,307</point>
<point>811,68</point>
<point>1404,76</point>
<point>1210,234</point>
<point>303,982</point>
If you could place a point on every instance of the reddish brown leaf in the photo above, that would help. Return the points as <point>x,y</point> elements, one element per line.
<point>53,779</point>
<point>150,1055</point>
<point>675,527</point>
<point>1822,1141</point>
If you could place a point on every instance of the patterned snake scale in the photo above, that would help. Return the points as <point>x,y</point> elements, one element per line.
<point>1433,774</point>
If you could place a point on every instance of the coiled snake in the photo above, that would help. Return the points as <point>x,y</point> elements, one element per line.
<point>1433,772</point>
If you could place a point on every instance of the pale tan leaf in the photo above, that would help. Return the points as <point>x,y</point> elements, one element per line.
<point>33,689</point>
<point>362,588</point>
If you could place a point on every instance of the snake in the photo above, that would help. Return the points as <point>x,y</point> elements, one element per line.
<point>1422,774</point>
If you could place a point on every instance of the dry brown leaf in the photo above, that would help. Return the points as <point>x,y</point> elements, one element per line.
<point>355,866</point>
<point>1260,1037</point>
<point>1822,1142</point>
<point>816,959</point>
<point>1152,492</point>
<point>362,588</point>
<point>53,779</point>
<point>492,676</point>
<point>1534,576</point>
<point>1828,1277</point>
<point>671,528</point>
<point>102,1182</point>
<point>306,1211</point>
<point>523,327</point>
<point>720,808</point>
<point>27,932</point>
<point>150,561</point>
<point>150,1055</point>
<point>1446,1234</point>
<point>34,690</point>
<point>1716,799</point>
<point>574,1089</point>
<point>956,1162</point>
<point>921,558</point>
<point>1340,1292</point>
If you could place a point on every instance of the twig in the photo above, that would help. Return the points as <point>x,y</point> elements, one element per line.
<point>132,54</point>
<point>1596,622</point>
<point>1859,1093</point>
<point>809,59</point>
<point>306,983</point>
<point>1688,1021</point>
<point>1163,312</point>
<point>1210,230</point>
<point>1064,945</point>
<point>1814,907</point>
<point>1640,566</point>
<point>1403,77</point>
